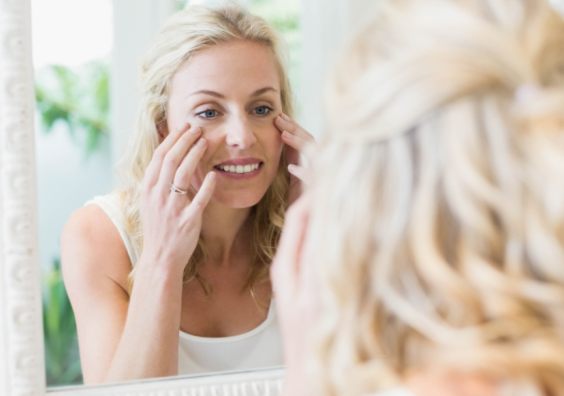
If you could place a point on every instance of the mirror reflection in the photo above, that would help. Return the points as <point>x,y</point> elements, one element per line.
<point>156,238</point>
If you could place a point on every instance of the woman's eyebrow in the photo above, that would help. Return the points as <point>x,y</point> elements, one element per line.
<point>208,92</point>
<point>258,92</point>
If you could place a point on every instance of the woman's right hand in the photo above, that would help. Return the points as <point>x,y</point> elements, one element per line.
<point>295,290</point>
<point>171,212</point>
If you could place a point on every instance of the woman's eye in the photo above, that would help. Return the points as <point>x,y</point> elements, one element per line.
<point>262,110</point>
<point>208,113</point>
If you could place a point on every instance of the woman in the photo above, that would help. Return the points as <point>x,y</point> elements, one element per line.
<point>434,224</point>
<point>199,214</point>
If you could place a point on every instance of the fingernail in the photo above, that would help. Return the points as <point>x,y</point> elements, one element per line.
<point>202,142</point>
<point>285,117</point>
<point>292,168</point>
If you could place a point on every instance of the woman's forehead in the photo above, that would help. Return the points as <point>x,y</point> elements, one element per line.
<point>232,59</point>
<point>235,63</point>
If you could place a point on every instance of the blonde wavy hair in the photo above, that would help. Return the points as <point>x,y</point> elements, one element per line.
<point>438,199</point>
<point>184,35</point>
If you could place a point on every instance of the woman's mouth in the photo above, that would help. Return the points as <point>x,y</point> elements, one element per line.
<point>239,168</point>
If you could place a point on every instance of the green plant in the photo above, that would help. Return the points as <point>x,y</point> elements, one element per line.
<point>79,98</point>
<point>61,345</point>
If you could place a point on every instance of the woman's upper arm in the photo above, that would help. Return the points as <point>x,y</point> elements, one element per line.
<point>95,269</point>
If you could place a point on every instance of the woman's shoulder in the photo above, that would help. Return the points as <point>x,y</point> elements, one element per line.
<point>92,246</point>
<point>90,224</point>
<point>100,223</point>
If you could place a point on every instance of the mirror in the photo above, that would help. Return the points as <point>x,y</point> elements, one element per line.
<point>23,369</point>
<point>78,143</point>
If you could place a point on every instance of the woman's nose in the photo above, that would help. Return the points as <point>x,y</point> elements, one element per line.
<point>239,133</point>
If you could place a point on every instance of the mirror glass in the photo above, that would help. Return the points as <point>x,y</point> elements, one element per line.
<point>75,55</point>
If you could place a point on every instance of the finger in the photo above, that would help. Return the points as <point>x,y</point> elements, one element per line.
<point>298,171</point>
<point>203,196</point>
<point>294,141</point>
<point>185,170</point>
<point>285,123</point>
<point>174,157</point>
<point>153,169</point>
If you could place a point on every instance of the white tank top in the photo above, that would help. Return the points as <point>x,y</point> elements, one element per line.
<point>260,347</point>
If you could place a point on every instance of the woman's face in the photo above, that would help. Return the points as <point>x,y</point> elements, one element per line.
<point>232,91</point>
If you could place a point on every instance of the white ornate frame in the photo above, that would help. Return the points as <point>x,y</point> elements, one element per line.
<point>22,367</point>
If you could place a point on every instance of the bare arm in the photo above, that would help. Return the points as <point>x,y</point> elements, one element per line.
<point>142,331</point>
<point>125,337</point>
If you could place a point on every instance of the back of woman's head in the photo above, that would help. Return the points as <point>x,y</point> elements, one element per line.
<point>439,198</point>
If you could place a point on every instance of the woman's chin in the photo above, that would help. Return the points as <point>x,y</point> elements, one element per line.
<point>237,201</point>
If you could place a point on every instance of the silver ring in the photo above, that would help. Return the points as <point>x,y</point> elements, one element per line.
<point>177,190</point>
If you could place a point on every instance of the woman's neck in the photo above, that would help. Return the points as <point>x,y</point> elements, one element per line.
<point>225,232</point>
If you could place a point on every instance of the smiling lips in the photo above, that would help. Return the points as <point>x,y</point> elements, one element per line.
<point>239,168</point>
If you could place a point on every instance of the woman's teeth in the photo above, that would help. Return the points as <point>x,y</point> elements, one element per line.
<point>238,168</point>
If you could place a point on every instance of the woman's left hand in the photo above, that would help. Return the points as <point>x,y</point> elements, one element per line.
<point>296,138</point>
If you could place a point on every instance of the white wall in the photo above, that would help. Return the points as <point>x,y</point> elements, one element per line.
<point>326,25</point>
<point>135,23</point>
